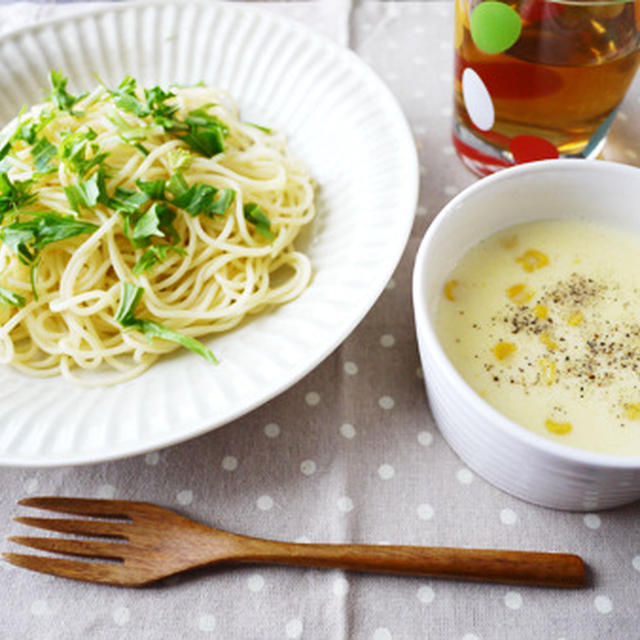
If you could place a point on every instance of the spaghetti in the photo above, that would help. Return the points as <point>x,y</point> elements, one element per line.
<point>133,222</point>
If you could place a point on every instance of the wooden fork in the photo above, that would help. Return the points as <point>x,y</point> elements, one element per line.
<point>153,543</point>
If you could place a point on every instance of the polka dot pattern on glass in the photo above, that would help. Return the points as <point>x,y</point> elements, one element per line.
<point>426,594</point>
<point>603,604</point>
<point>386,402</point>
<point>513,600</point>
<point>382,633</point>
<point>272,430</point>
<point>350,368</point>
<point>206,622</point>
<point>121,616</point>
<point>425,438</point>
<point>386,471</point>
<point>425,511</point>
<point>592,521</point>
<point>255,583</point>
<point>308,467</point>
<point>312,398</point>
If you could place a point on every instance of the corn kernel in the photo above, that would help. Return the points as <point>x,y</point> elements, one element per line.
<point>546,340</point>
<point>519,293</point>
<point>503,350</point>
<point>449,289</point>
<point>632,410</point>
<point>575,319</point>
<point>540,311</point>
<point>532,260</point>
<point>548,371</point>
<point>559,428</point>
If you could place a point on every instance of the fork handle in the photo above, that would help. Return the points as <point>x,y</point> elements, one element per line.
<point>488,565</point>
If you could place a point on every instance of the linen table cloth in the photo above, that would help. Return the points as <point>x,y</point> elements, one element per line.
<point>349,454</point>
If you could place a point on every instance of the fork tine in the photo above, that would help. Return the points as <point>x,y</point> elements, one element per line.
<point>77,570</point>
<point>79,527</point>
<point>88,548</point>
<point>82,506</point>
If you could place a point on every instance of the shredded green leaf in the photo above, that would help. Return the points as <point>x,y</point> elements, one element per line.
<point>155,254</point>
<point>14,195</point>
<point>11,298</point>
<point>59,94</point>
<point>43,153</point>
<point>153,188</point>
<point>131,296</point>
<point>73,151</point>
<point>256,216</point>
<point>27,238</point>
<point>88,193</point>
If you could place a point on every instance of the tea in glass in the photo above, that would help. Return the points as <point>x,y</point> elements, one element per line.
<point>537,79</point>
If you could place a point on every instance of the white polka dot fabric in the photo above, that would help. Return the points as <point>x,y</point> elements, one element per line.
<point>349,454</point>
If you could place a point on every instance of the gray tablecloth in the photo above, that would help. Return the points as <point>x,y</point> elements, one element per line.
<point>349,454</point>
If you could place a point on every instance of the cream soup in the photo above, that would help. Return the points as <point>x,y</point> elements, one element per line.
<point>543,321</point>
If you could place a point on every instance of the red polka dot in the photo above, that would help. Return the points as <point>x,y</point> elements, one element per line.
<point>531,148</point>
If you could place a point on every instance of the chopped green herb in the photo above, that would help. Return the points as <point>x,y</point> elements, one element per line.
<point>179,159</point>
<point>126,99</point>
<point>155,254</point>
<point>59,94</point>
<point>153,188</point>
<point>147,225</point>
<point>199,198</point>
<point>14,195</point>
<point>43,153</point>
<point>141,148</point>
<point>131,295</point>
<point>28,237</point>
<point>73,151</point>
<point>11,298</point>
<point>206,133</point>
<point>260,127</point>
<point>126,201</point>
<point>88,193</point>
<point>254,214</point>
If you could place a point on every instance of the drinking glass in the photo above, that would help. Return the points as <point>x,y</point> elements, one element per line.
<point>539,79</point>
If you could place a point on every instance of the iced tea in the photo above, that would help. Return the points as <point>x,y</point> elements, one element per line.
<point>553,92</point>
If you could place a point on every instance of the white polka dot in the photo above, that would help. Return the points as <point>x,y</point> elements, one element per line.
<point>229,463</point>
<point>421,211</point>
<point>106,491</point>
<point>387,340</point>
<point>345,504</point>
<point>308,467</point>
<point>312,398</point>
<point>513,600</point>
<point>121,616</point>
<point>470,636</point>
<point>425,594</point>
<point>420,373</point>
<point>386,402</point>
<point>255,582</point>
<point>302,540</point>
<point>451,190</point>
<point>31,485</point>
<point>386,471</point>
<point>382,633</point>
<point>340,586</point>
<point>207,622</point>
<point>507,516</point>
<point>425,511</point>
<point>391,285</point>
<point>152,458</point>
<point>448,150</point>
<point>350,368</point>
<point>185,496</point>
<point>348,430</point>
<point>264,503</point>
<point>477,100</point>
<point>635,563</point>
<point>425,438</point>
<point>294,628</point>
<point>272,430</point>
<point>592,520</point>
<point>464,476</point>
<point>603,604</point>
<point>39,608</point>
<point>446,112</point>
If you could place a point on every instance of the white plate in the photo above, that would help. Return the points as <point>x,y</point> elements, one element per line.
<point>340,119</point>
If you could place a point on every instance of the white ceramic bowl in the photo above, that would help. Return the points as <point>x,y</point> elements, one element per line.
<point>507,455</point>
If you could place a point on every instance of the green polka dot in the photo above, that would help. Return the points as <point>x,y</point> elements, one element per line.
<point>495,26</point>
